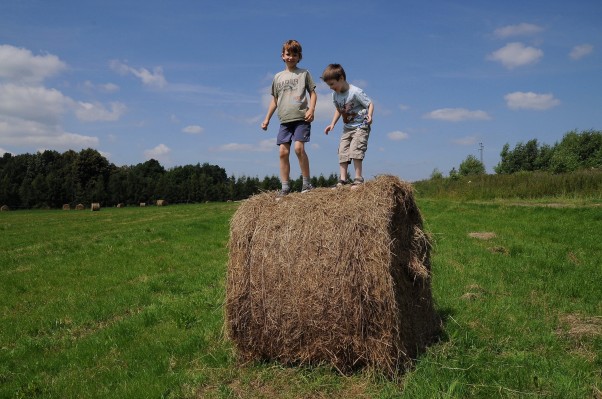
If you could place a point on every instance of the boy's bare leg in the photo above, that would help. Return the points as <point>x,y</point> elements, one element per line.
<point>343,171</point>
<point>357,164</point>
<point>285,166</point>
<point>303,158</point>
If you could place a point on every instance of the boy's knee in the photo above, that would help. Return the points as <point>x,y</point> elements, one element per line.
<point>299,149</point>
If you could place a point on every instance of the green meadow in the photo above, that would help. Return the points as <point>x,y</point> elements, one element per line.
<point>128,303</point>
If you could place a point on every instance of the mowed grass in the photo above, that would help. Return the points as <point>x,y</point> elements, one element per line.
<point>127,303</point>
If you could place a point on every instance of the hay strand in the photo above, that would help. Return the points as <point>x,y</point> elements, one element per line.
<point>331,276</point>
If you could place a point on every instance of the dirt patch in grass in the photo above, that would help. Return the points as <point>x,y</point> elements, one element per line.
<point>576,326</point>
<point>484,235</point>
<point>474,292</point>
<point>498,249</point>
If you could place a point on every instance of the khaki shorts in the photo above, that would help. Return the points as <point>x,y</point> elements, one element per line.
<point>353,144</point>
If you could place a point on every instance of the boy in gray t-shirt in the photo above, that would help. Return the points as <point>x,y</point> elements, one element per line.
<point>289,89</point>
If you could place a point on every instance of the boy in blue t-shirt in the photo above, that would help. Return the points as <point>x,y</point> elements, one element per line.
<point>356,109</point>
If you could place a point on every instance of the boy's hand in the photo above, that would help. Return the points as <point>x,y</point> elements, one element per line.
<point>328,129</point>
<point>264,125</point>
<point>309,115</point>
<point>368,119</point>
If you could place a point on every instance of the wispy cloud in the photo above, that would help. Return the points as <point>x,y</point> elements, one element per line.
<point>154,78</point>
<point>530,100</point>
<point>466,141</point>
<point>193,129</point>
<point>103,87</point>
<point>515,55</point>
<point>581,51</point>
<point>90,112</point>
<point>398,135</point>
<point>457,114</point>
<point>263,146</point>
<point>517,30</point>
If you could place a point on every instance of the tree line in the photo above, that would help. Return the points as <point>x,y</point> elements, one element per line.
<point>50,179</point>
<point>576,151</point>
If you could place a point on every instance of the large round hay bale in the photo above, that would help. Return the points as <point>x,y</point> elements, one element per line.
<point>4,208</point>
<point>331,276</point>
<point>161,202</point>
<point>66,207</point>
<point>79,207</point>
<point>95,206</point>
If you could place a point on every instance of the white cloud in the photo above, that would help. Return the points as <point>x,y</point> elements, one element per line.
<point>148,78</point>
<point>159,153</point>
<point>21,132</point>
<point>19,65</point>
<point>530,100</point>
<point>469,140</point>
<point>403,107</point>
<point>457,114</point>
<point>262,146</point>
<point>90,112</point>
<point>514,55</point>
<point>398,135</point>
<point>517,30</point>
<point>193,129</point>
<point>581,51</point>
<point>32,103</point>
<point>2,152</point>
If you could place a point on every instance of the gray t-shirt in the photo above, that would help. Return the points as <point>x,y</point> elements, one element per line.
<point>353,106</point>
<point>290,89</point>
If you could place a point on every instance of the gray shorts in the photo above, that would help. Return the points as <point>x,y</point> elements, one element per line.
<point>353,144</point>
<point>297,130</point>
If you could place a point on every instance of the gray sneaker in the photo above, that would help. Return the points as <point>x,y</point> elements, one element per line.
<point>284,192</point>
<point>307,188</point>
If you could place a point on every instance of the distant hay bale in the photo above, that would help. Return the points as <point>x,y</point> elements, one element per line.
<point>95,206</point>
<point>66,207</point>
<point>143,204</point>
<point>161,203</point>
<point>340,277</point>
<point>79,207</point>
<point>120,205</point>
<point>4,208</point>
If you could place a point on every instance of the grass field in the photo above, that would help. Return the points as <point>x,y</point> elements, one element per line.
<point>127,303</point>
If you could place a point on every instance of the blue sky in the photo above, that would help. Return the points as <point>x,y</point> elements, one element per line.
<point>185,82</point>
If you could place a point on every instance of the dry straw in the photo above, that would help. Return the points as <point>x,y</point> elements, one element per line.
<point>340,277</point>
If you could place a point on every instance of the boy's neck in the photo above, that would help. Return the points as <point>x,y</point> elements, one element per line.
<point>291,68</point>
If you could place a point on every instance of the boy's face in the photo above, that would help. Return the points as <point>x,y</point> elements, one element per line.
<point>291,59</point>
<point>338,86</point>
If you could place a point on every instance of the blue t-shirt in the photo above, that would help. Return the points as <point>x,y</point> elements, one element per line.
<point>353,106</point>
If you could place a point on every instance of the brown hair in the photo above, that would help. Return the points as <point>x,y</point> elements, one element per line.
<point>333,72</point>
<point>294,47</point>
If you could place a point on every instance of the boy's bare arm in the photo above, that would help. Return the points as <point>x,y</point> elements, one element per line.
<point>272,107</point>
<point>370,112</point>
<point>313,99</point>
<point>335,118</point>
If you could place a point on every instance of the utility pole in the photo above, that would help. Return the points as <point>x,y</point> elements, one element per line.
<point>481,151</point>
